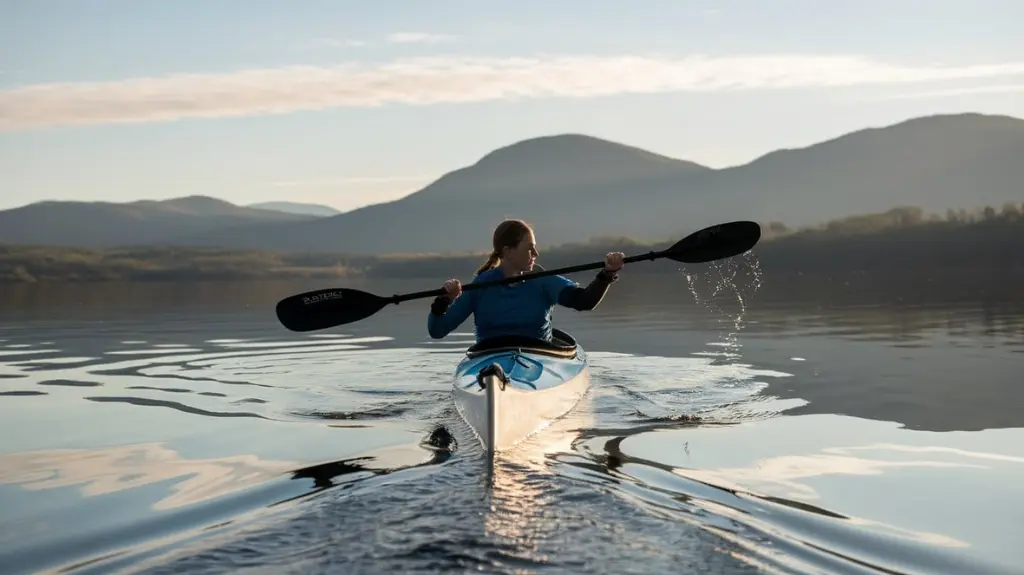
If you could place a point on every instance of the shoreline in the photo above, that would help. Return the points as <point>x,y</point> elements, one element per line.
<point>889,241</point>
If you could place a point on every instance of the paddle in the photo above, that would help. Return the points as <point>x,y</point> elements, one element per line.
<point>332,307</point>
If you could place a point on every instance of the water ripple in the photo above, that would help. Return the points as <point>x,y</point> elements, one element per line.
<point>169,451</point>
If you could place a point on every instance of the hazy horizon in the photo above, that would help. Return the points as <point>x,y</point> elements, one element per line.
<point>347,104</point>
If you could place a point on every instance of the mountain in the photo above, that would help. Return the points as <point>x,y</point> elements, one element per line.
<point>554,164</point>
<point>297,208</point>
<point>935,162</point>
<point>575,187</point>
<point>563,173</point>
<point>103,224</point>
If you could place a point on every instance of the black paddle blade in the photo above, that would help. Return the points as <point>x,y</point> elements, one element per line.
<point>326,308</point>
<point>716,242</point>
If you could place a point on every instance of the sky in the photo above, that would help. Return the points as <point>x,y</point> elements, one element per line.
<point>349,103</point>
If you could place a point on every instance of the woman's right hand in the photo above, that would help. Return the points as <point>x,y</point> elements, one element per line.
<point>452,288</point>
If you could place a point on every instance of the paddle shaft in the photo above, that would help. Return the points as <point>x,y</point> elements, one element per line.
<point>324,308</point>
<point>524,277</point>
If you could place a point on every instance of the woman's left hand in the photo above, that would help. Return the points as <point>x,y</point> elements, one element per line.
<point>613,261</point>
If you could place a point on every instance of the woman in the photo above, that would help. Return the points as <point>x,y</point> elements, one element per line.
<point>520,308</point>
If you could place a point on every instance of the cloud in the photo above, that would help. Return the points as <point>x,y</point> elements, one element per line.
<point>951,92</point>
<point>420,38</point>
<point>436,80</point>
<point>326,43</point>
<point>336,43</point>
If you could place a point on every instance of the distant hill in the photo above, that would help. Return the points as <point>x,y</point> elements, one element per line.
<point>105,224</point>
<point>559,164</point>
<point>905,244</point>
<point>297,208</point>
<point>574,187</point>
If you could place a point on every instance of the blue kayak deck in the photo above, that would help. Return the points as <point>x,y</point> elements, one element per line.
<point>527,371</point>
<point>530,365</point>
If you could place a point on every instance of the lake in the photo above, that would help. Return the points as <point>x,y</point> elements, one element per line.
<point>738,423</point>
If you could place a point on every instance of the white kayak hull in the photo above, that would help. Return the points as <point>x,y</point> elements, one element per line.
<point>509,393</point>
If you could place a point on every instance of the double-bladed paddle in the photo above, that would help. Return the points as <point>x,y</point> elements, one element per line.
<point>330,307</point>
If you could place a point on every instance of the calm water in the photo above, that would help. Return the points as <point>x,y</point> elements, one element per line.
<point>824,425</point>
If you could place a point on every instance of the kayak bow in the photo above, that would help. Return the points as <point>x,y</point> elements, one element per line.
<point>510,388</point>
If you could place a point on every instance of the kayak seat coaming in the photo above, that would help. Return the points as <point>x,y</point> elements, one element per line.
<point>562,345</point>
<point>532,365</point>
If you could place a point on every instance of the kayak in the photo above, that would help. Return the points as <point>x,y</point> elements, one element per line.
<point>507,389</point>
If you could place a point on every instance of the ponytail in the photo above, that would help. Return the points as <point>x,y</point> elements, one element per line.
<point>492,261</point>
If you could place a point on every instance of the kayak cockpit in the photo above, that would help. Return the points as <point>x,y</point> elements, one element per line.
<point>562,345</point>
<point>528,363</point>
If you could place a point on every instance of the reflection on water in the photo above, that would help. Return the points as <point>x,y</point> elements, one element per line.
<point>199,436</point>
<point>522,508</point>
<point>96,472</point>
<point>861,501</point>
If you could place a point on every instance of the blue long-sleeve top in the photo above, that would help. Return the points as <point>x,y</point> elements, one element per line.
<point>522,308</point>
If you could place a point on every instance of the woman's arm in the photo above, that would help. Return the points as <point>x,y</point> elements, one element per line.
<point>586,299</point>
<point>445,315</point>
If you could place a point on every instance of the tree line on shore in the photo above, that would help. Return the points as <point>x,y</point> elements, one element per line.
<point>901,238</point>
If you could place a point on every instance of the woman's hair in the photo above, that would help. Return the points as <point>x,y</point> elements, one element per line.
<point>508,234</point>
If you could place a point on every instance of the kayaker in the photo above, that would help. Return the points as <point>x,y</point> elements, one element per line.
<point>522,308</point>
